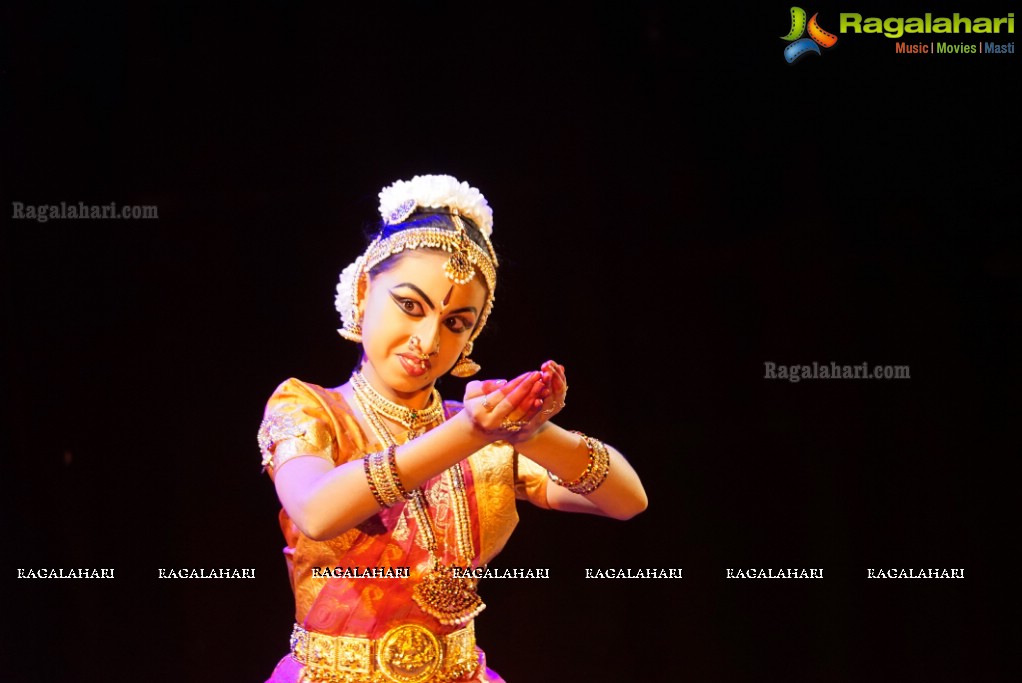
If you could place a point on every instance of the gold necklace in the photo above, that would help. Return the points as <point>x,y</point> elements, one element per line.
<point>450,598</point>
<point>411,419</point>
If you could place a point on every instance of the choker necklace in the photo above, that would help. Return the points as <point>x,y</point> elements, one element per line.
<point>409,418</point>
<point>442,592</point>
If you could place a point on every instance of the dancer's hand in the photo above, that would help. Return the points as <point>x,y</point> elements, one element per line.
<point>503,409</point>
<point>547,399</point>
<point>556,391</point>
<point>552,401</point>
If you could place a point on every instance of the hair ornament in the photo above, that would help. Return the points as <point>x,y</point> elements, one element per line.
<point>399,214</point>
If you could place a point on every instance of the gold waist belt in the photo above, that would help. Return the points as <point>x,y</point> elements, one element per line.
<point>408,653</point>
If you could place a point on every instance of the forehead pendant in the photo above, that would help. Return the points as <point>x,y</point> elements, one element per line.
<point>459,268</point>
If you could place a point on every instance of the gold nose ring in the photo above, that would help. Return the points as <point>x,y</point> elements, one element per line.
<point>415,346</point>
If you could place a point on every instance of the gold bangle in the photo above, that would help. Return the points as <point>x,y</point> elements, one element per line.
<point>382,477</point>
<point>575,482</point>
<point>394,477</point>
<point>388,487</point>
<point>371,480</point>
<point>596,470</point>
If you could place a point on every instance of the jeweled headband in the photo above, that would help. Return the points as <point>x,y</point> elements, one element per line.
<point>397,203</point>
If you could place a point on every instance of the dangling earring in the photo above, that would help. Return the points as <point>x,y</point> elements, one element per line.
<point>352,331</point>
<point>465,367</point>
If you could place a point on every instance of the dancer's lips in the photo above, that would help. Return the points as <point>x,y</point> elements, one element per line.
<point>413,365</point>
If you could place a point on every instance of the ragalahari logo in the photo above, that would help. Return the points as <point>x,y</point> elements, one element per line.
<point>800,46</point>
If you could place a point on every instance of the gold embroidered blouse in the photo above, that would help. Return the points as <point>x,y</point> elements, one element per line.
<point>306,419</point>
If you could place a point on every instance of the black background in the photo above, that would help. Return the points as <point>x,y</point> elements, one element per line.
<point>674,206</point>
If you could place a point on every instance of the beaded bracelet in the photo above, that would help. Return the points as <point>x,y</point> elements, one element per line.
<point>371,480</point>
<point>392,489</point>
<point>394,477</point>
<point>596,470</point>
<point>381,475</point>
<point>383,484</point>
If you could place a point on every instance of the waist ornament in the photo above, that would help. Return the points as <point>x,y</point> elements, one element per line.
<point>408,653</point>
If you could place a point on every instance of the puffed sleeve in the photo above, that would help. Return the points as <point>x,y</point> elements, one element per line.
<point>296,422</point>
<point>530,481</point>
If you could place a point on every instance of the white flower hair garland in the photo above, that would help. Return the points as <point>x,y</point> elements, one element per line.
<point>399,200</point>
<point>344,302</point>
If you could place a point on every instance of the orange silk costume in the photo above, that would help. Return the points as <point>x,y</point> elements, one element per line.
<point>307,419</point>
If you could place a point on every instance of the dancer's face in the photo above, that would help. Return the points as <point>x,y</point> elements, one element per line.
<point>412,297</point>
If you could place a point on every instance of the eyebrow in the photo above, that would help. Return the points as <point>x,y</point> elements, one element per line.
<point>418,291</point>
<point>466,309</point>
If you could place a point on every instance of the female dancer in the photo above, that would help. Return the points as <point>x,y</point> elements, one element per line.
<point>394,501</point>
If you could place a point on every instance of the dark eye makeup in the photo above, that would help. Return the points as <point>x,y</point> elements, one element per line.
<point>409,306</point>
<point>458,324</point>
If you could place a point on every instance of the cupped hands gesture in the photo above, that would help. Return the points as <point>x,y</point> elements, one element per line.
<point>514,410</point>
